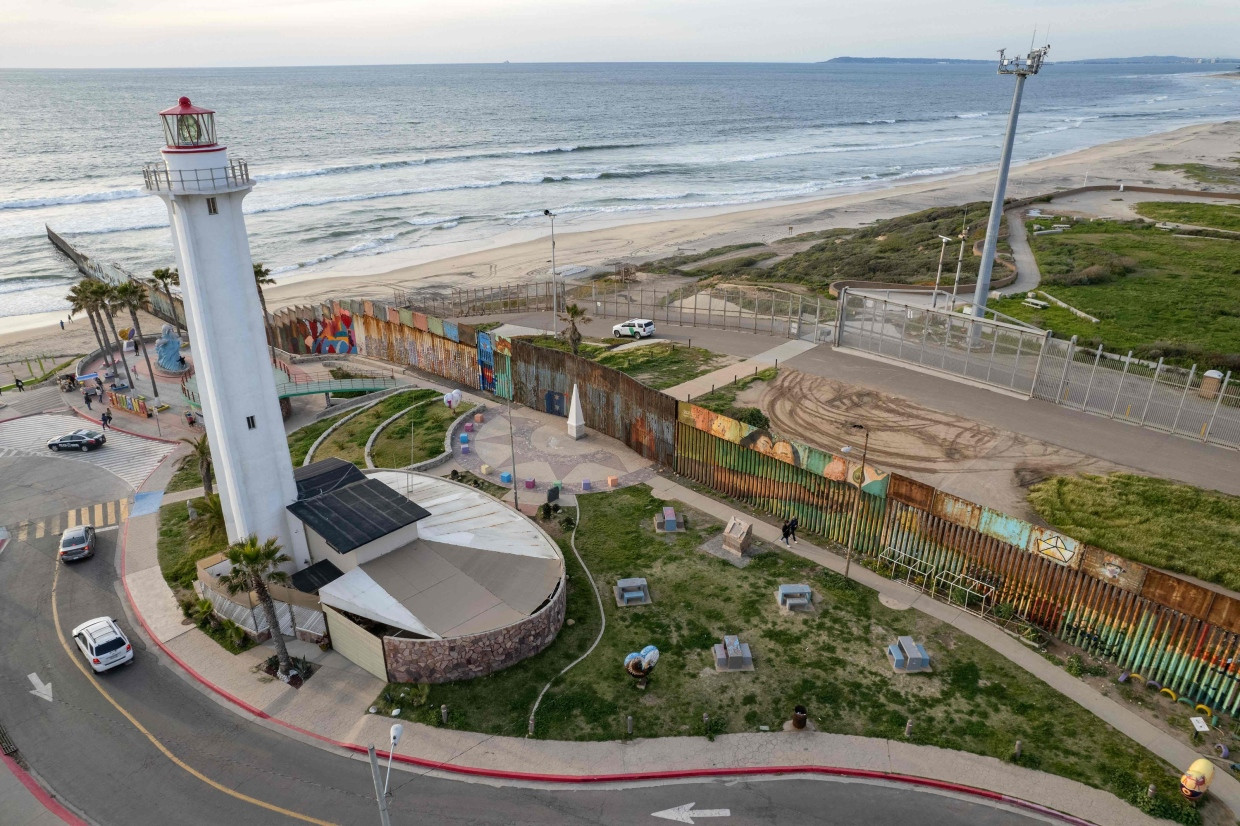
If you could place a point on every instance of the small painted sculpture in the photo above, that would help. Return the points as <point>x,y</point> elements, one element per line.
<point>168,351</point>
<point>1195,781</point>
<point>640,664</point>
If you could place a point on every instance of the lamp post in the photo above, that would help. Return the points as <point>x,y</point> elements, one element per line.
<point>555,292</point>
<point>381,792</point>
<point>959,266</point>
<point>934,297</point>
<point>852,530</point>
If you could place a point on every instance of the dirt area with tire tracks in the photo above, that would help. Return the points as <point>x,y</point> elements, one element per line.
<point>986,465</point>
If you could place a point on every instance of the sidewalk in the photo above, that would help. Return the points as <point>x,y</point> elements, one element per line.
<point>169,425</point>
<point>726,375</point>
<point>331,709</point>
<point>25,803</point>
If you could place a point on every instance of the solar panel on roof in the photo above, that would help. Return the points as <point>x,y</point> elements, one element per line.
<point>324,475</point>
<point>356,514</point>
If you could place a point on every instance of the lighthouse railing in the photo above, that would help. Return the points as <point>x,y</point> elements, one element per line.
<point>158,178</point>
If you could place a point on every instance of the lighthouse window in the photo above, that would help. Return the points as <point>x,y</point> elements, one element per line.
<point>211,207</point>
<point>249,422</point>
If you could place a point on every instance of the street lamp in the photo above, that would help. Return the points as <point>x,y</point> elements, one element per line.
<point>852,529</point>
<point>934,298</point>
<point>381,792</point>
<point>555,293</point>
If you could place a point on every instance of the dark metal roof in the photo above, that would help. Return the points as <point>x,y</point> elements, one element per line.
<point>351,516</point>
<point>324,475</point>
<point>310,580</point>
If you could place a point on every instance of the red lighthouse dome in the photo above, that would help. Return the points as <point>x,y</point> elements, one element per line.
<point>187,126</point>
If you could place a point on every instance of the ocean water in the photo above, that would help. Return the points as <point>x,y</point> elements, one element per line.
<point>358,162</point>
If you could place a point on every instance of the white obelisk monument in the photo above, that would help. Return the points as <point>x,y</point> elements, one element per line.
<point>203,191</point>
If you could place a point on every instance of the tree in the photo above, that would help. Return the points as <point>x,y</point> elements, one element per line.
<point>82,300</point>
<point>262,278</point>
<point>132,296</point>
<point>165,278</point>
<point>209,523</point>
<point>254,565</point>
<point>573,314</point>
<point>200,455</point>
<point>109,307</point>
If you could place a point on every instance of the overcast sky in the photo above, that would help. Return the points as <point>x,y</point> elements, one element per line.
<point>143,33</point>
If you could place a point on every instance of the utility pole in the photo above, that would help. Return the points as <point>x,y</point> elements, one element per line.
<point>934,297</point>
<point>1022,68</point>
<point>555,292</point>
<point>380,790</point>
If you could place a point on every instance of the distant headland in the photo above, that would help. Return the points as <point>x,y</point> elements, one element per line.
<point>1164,59</point>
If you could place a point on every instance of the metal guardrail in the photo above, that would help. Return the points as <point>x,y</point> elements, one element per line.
<point>158,178</point>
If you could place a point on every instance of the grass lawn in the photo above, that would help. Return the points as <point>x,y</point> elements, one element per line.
<point>1216,216</point>
<point>178,550</point>
<point>186,478</point>
<point>1154,521</point>
<point>349,441</point>
<point>416,436</point>
<point>661,365</point>
<point>300,440</point>
<point>832,660</point>
<point>1135,278</point>
<point>723,399</point>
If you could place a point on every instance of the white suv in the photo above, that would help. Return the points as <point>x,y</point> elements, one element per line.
<point>634,327</point>
<point>103,643</point>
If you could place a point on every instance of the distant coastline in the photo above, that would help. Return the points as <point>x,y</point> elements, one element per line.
<point>1162,60</point>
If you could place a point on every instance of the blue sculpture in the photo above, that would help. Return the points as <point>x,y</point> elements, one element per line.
<point>639,665</point>
<point>168,351</point>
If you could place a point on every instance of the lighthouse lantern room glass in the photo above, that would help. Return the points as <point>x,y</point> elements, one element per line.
<point>187,126</point>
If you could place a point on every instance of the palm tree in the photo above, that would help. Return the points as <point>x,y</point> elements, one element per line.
<point>132,296</point>
<point>254,565</point>
<point>262,278</point>
<point>209,524</point>
<point>95,291</point>
<point>165,278</point>
<point>109,307</point>
<point>81,301</point>
<point>573,314</point>
<point>200,455</point>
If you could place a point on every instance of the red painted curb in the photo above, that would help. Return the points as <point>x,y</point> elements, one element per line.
<point>534,777</point>
<point>46,800</point>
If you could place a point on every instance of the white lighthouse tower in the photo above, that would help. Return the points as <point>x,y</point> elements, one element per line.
<point>203,191</point>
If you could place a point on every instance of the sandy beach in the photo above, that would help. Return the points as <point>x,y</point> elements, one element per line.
<point>525,255</point>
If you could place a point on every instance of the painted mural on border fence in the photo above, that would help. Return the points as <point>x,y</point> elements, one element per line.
<point>834,467</point>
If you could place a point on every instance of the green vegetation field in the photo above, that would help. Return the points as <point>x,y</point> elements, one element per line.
<point>723,399</point>
<point>416,436</point>
<point>1155,294</point>
<point>1168,525</point>
<point>832,660</point>
<point>349,441</point>
<point>655,365</point>
<point>1204,173</point>
<point>1215,216</point>
<point>300,440</point>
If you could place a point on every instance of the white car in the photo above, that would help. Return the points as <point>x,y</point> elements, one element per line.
<point>103,643</point>
<point>635,328</point>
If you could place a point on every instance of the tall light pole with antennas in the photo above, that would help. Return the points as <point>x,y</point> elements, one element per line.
<point>1022,68</point>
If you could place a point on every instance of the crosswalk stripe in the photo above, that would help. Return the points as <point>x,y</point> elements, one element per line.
<point>99,514</point>
<point>111,515</point>
<point>83,515</point>
<point>54,528</point>
<point>22,532</point>
<point>39,530</point>
<point>71,516</point>
<point>124,510</point>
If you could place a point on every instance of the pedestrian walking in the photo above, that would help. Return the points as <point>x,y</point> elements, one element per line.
<point>785,531</point>
<point>21,385</point>
<point>792,528</point>
<point>62,324</point>
<point>105,418</point>
<point>86,394</point>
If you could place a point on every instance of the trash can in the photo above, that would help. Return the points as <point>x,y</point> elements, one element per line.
<point>1211,381</point>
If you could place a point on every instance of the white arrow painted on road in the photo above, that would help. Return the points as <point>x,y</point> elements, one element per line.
<point>686,813</point>
<point>4,538</point>
<point>41,689</point>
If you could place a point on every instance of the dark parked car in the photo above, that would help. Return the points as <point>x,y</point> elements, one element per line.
<point>77,543</point>
<point>82,440</point>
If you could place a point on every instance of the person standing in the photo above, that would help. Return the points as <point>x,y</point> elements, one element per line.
<point>86,395</point>
<point>62,324</point>
<point>785,531</point>
<point>792,527</point>
<point>19,384</point>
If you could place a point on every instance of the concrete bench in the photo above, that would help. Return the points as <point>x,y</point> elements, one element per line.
<point>631,591</point>
<point>791,597</point>
<point>669,522</point>
<point>732,655</point>
<point>908,656</point>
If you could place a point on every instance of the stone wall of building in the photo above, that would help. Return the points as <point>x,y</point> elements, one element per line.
<point>463,658</point>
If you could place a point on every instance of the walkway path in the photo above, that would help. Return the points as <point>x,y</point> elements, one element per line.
<point>25,803</point>
<point>1027,274</point>
<point>725,375</point>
